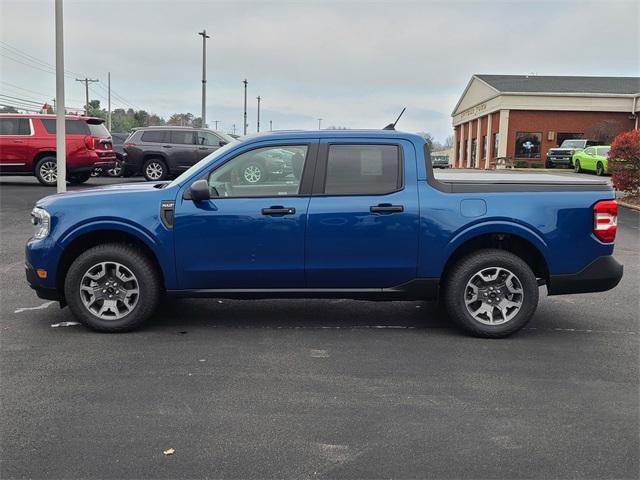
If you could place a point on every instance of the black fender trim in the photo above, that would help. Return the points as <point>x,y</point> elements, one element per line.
<point>602,274</point>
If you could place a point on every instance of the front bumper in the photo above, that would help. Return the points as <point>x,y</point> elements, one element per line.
<point>602,274</point>
<point>559,160</point>
<point>34,282</point>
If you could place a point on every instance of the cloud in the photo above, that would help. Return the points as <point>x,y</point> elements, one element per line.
<point>352,63</point>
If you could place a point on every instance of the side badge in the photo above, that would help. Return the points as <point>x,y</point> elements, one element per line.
<point>167,208</point>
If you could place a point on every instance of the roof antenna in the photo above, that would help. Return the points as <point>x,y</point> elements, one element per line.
<point>392,126</point>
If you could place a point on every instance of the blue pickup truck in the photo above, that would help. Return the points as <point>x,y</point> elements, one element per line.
<point>358,214</point>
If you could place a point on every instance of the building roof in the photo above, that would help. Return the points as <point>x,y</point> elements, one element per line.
<point>561,84</point>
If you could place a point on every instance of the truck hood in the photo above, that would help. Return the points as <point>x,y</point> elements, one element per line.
<point>107,191</point>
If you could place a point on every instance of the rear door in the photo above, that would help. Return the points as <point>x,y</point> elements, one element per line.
<point>362,227</point>
<point>15,144</point>
<point>183,147</point>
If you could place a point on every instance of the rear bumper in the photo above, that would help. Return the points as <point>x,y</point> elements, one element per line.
<point>602,274</point>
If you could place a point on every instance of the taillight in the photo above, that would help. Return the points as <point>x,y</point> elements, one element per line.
<point>605,220</point>
<point>90,142</point>
<point>129,145</point>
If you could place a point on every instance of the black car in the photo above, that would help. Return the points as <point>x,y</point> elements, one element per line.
<point>162,152</point>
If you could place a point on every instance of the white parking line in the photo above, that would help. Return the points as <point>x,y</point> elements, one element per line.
<point>39,307</point>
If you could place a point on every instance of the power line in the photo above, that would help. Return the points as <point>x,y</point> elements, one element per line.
<point>29,57</point>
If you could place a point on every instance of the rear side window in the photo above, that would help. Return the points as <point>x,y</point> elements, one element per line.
<point>155,136</point>
<point>72,127</point>
<point>363,170</point>
<point>14,126</point>
<point>184,137</point>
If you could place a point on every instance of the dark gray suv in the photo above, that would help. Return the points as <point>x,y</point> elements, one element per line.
<point>162,152</point>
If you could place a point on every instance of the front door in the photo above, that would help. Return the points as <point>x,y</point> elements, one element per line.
<point>250,234</point>
<point>207,143</point>
<point>362,230</point>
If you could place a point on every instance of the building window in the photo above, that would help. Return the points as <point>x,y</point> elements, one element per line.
<point>496,139</point>
<point>528,144</point>
<point>474,144</point>
<point>484,147</point>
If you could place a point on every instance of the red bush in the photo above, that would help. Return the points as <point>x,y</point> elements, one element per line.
<point>624,162</point>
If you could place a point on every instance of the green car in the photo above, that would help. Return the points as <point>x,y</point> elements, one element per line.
<point>592,159</point>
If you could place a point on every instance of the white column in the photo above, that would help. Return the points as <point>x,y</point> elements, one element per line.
<point>487,161</point>
<point>454,160</point>
<point>503,132</point>
<point>461,149</point>
<point>469,144</point>
<point>478,140</point>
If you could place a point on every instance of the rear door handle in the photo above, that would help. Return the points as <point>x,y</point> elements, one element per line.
<point>166,146</point>
<point>18,141</point>
<point>386,208</point>
<point>278,211</point>
<point>204,148</point>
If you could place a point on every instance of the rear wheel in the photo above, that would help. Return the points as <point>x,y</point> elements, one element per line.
<point>577,168</point>
<point>154,170</point>
<point>599,169</point>
<point>47,171</point>
<point>491,293</point>
<point>112,288</point>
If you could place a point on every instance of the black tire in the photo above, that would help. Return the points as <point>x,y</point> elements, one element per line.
<point>155,170</point>
<point>253,173</point>
<point>46,171</point>
<point>144,271</point>
<point>599,169</point>
<point>576,166</point>
<point>455,292</point>
<point>550,165</point>
<point>79,178</point>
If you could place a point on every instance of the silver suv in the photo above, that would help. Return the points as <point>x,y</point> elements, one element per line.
<point>162,152</point>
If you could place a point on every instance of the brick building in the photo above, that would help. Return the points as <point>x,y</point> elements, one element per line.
<point>521,117</point>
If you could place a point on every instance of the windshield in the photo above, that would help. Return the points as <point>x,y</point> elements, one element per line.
<point>187,173</point>
<point>225,137</point>
<point>573,143</point>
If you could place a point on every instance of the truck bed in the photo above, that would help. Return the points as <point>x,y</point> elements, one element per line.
<point>471,181</point>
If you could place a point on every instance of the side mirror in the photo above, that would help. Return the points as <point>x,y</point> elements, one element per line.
<point>222,143</point>
<point>199,191</point>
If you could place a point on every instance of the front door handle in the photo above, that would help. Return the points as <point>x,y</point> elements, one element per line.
<point>278,211</point>
<point>386,208</point>
<point>166,146</point>
<point>18,141</point>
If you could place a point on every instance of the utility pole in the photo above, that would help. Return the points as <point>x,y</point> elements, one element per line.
<point>54,105</point>
<point>245,105</point>
<point>258,127</point>
<point>204,76</point>
<point>271,125</point>
<point>86,82</point>
<point>61,147</point>
<point>216,122</point>
<point>109,101</point>
<point>233,128</point>
<point>319,123</point>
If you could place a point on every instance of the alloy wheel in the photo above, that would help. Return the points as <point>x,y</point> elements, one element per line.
<point>494,296</point>
<point>109,290</point>
<point>154,171</point>
<point>49,171</point>
<point>252,174</point>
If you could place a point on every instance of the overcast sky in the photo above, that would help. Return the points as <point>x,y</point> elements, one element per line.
<point>355,64</point>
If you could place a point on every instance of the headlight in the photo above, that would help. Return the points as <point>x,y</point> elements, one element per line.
<point>41,221</point>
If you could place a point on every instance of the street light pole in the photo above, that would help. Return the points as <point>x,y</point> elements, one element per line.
<point>319,123</point>
<point>271,125</point>
<point>109,101</point>
<point>61,148</point>
<point>245,105</point>
<point>204,76</point>
<point>258,98</point>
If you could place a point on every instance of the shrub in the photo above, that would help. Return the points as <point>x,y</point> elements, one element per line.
<point>522,164</point>
<point>624,162</point>
<point>537,165</point>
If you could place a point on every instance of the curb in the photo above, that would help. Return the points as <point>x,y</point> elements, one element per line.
<point>622,203</point>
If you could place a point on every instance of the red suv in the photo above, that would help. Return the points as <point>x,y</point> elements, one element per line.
<point>28,147</point>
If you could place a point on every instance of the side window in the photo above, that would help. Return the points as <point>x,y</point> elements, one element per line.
<point>207,138</point>
<point>14,126</point>
<point>590,151</point>
<point>72,127</point>
<point>155,136</point>
<point>363,170</point>
<point>262,172</point>
<point>183,137</point>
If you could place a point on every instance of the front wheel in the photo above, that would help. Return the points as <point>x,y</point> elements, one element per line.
<point>112,288</point>
<point>116,170</point>
<point>577,168</point>
<point>253,173</point>
<point>491,293</point>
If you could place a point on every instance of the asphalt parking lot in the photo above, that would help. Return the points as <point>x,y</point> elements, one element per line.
<point>316,389</point>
